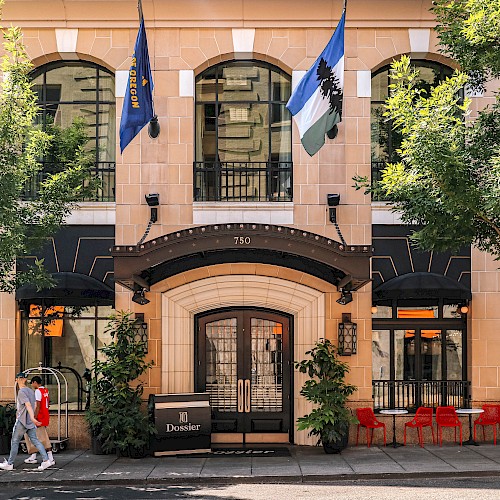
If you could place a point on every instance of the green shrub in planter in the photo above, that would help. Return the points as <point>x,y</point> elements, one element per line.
<point>328,390</point>
<point>116,416</point>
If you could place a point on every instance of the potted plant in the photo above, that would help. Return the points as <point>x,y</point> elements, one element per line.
<point>116,417</point>
<point>7,420</point>
<point>328,391</point>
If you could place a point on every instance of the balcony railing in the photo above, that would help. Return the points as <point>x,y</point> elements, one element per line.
<point>410,394</point>
<point>243,181</point>
<point>104,171</point>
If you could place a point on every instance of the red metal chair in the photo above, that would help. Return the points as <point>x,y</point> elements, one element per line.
<point>491,416</point>
<point>423,418</point>
<point>367,419</point>
<point>446,416</point>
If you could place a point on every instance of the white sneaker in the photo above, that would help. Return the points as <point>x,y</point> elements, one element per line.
<point>44,465</point>
<point>30,460</point>
<point>6,466</point>
<point>52,462</point>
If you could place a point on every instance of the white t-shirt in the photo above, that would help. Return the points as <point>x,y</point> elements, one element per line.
<point>38,395</point>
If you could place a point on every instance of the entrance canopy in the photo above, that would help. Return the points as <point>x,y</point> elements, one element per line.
<point>140,266</point>
<point>421,286</point>
<point>71,289</point>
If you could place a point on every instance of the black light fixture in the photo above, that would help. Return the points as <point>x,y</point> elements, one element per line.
<point>139,297</point>
<point>141,328</point>
<point>348,336</point>
<point>345,297</point>
<point>333,201</point>
<point>153,200</point>
<point>154,127</point>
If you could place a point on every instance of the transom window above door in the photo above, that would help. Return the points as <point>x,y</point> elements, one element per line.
<point>243,134</point>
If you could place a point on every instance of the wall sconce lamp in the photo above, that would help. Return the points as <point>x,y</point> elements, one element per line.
<point>348,336</point>
<point>154,127</point>
<point>345,297</point>
<point>464,308</point>
<point>153,200</point>
<point>374,309</point>
<point>139,297</point>
<point>141,330</point>
<point>333,201</point>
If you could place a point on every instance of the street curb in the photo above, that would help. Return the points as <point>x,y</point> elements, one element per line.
<point>307,479</point>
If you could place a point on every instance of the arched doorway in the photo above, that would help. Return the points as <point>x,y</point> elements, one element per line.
<point>243,360</point>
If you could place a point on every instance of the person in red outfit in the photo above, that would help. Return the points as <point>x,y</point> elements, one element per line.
<point>41,414</point>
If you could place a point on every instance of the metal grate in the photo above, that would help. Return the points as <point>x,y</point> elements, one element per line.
<point>267,366</point>
<point>221,366</point>
<point>389,394</point>
<point>243,181</point>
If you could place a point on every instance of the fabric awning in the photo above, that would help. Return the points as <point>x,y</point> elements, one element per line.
<point>72,289</point>
<point>421,286</point>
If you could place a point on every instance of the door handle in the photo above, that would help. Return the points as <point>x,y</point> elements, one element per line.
<point>241,396</point>
<point>247,396</point>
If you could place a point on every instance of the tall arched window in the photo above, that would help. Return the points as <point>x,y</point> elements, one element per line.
<point>70,89</point>
<point>384,140</point>
<point>243,133</point>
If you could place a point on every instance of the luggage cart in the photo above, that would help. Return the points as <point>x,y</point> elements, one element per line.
<point>60,442</point>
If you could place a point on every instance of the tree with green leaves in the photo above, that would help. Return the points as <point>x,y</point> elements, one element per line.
<point>448,179</point>
<point>27,222</point>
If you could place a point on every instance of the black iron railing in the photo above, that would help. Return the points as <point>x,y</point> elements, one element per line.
<point>243,181</point>
<point>104,171</point>
<point>410,394</point>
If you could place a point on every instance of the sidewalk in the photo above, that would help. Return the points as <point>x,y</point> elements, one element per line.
<point>305,464</point>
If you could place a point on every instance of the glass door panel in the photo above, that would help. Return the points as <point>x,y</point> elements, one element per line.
<point>454,354</point>
<point>267,366</point>
<point>221,364</point>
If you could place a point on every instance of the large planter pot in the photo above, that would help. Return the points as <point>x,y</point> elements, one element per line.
<point>337,446</point>
<point>96,446</point>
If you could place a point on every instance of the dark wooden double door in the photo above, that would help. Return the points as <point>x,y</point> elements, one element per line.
<point>243,362</point>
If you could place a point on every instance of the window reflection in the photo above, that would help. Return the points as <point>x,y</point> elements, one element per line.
<point>381,359</point>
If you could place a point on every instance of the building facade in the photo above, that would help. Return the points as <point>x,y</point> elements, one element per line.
<point>249,261</point>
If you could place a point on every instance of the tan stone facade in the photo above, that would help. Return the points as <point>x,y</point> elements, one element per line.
<point>185,38</point>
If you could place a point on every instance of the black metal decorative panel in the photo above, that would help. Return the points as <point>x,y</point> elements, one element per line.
<point>79,249</point>
<point>394,255</point>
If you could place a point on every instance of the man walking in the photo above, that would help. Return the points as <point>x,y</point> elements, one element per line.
<point>41,414</point>
<point>25,424</point>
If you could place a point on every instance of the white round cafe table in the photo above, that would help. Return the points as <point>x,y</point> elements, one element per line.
<point>394,412</point>
<point>470,412</point>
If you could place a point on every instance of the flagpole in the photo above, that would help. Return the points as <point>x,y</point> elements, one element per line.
<point>345,5</point>
<point>154,126</point>
<point>139,8</point>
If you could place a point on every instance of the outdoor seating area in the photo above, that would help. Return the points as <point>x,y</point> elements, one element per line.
<point>445,417</point>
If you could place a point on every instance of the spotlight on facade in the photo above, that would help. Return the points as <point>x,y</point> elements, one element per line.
<point>154,128</point>
<point>139,297</point>
<point>348,336</point>
<point>345,298</point>
<point>333,199</point>
<point>152,199</point>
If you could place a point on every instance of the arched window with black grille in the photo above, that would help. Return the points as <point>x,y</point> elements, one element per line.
<point>243,134</point>
<point>84,90</point>
<point>385,141</point>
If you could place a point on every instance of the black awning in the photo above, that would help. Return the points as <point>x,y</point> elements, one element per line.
<point>421,286</point>
<point>71,289</point>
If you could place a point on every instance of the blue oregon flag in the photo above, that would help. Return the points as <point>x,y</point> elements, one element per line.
<point>138,104</point>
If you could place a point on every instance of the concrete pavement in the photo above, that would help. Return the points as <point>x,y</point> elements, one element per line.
<point>305,464</point>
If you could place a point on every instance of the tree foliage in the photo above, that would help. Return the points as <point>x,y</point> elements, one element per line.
<point>469,31</point>
<point>448,179</point>
<point>26,224</point>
